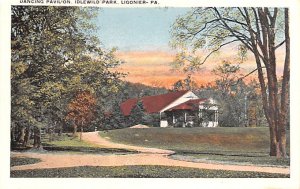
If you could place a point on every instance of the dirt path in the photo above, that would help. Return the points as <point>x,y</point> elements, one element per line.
<point>94,138</point>
<point>148,156</point>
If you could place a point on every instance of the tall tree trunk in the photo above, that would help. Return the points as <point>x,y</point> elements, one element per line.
<point>60,129</point>
<point>26,138</point>
<point>272,80</point>
<point>267,46</point>
<point>273,115</point>
<point>51,134</point>
<point>37,138</point>
<point>74,130</point>
<point>22,135</point>
<point>285,89</point>
<point>265,102</point>
<point>12,135</point>
<point>81,130</point>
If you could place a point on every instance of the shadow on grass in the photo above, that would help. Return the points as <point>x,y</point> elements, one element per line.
<point>92,150</point>
<point>151,171</point>
<point>17,161</point>
<point>233,158</point>
<point>77,149</point>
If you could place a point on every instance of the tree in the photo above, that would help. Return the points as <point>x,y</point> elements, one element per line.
<point>253,105</point>
<point>258,30</point>
<point>186,84</point>
<point>114,117</point>
<point>54,55</point>
<point>42,39</point>
<point>117,119</point>
<point>81,110</point>
<point>95,75</point>
<point>138,114</point>
<point>227,74</point>
<point>232,94</point>
<point>23,106</point>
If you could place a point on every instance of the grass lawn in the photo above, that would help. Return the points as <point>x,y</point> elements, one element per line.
<point>234,144</point>
<point>17,161</point>
<point>70,144</point>
<point>139,172</point>
<point>234,160</point>
<point>66,141</point>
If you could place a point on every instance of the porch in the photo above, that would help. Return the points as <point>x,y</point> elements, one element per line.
<point>190,118</point>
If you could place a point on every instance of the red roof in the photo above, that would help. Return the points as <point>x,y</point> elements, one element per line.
<point>152,104</point>
<point>188,105</point>
<point>127,106</point>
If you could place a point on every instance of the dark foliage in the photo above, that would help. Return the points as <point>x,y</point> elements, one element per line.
<point>16,161</point>
<point>152,171</point>
<point>92,150</point>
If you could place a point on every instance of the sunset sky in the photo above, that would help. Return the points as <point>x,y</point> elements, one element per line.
<point>142,36</point>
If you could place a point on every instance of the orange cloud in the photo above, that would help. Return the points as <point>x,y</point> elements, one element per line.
<point>153,67</point>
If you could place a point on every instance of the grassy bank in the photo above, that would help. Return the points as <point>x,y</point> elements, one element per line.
<point>242,145</point>
<point>139,172</point>
<point>218,140</point>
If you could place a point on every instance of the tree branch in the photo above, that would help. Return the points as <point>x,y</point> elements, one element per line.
<point>243,77</point>
<point>234,32</point>
<point>204,27</point>
<point>277,46</point>
<point>213,51</point>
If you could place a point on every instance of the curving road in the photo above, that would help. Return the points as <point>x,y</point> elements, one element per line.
<point>147,156</point>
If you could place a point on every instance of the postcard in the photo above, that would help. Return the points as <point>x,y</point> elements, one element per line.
<point>121,93</point>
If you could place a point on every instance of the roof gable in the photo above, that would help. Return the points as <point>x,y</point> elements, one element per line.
<point>189,95</point>
<point>192,104</point>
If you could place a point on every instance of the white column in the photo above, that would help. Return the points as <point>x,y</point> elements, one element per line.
<point>173,117</point>
<point>184,123</point>
<point>160,119</point>
<point>217,115</point>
